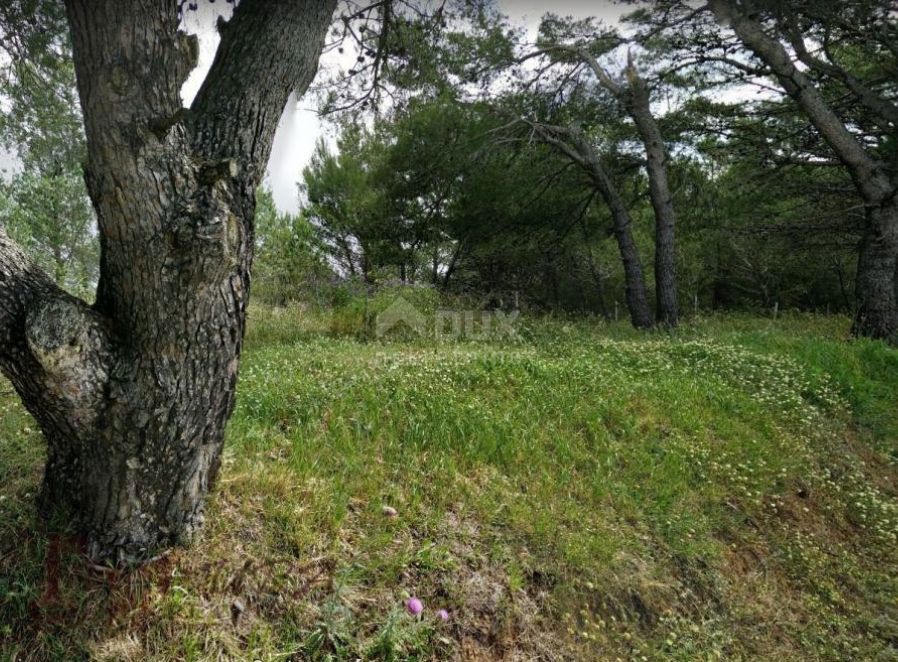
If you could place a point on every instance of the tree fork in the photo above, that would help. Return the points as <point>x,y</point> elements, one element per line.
<point>636,100</point>
<point>133,394</point>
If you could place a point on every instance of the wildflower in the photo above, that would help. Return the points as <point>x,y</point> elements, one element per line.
<point>443,615</point>
<point>414,606</point>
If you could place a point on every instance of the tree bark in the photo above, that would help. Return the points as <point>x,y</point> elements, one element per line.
<point>56,353</point>
<point>637,300</point>
<point>637,102</point>
<point>876,288</point>
<point>877,312</point>
<point>133,394</point>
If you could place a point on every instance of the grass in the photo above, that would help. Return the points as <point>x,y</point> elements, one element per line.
<point>581,491</point>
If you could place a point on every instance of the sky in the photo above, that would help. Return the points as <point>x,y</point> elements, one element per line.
<point>300,127</point>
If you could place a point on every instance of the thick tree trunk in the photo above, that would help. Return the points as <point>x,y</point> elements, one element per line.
<point>876,287</point>
<point>133,394</point>
<point>637,102</point>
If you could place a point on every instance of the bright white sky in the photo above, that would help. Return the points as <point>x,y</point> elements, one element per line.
<point>300,127</point>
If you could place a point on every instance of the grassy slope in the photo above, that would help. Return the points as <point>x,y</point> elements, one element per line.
<point>585,492</point>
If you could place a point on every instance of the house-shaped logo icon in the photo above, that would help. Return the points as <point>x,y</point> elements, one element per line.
<point>401,312</point>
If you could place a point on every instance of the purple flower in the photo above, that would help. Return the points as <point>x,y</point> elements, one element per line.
<point>443,615</point>
<point>414,606</point>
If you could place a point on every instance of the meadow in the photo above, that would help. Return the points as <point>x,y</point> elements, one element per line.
<point>577,491</point>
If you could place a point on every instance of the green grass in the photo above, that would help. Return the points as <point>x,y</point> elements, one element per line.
<point>581,492</point>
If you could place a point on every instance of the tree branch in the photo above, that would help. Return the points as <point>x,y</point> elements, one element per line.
<point>886,111</point>
<point>268,50</point>
<point>53,348</point>
<point>603,76</point>
<point>867,173</point>
<point>22,286</point>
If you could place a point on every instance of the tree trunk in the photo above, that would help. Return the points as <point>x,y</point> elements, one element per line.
<point>572,143</point>
<point>876,287</point>
<point>637,102</point>
<point>637,301</point>
<point>435,266</point>
<point>597,280</point>
<point>843,290</point>
<point>133,394</point>
<point>453,263</point>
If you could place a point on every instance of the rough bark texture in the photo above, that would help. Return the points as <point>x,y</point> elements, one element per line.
<point>573,145</point>
<point>877,312</point>
<point>637,102</point>
<point>133,394</point>
<point>56,352</point>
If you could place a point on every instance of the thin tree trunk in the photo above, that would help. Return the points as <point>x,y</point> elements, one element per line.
<point>840,274</point>
<point>595,272</point>
<point>571,143</point>
<point>637,102</point>
<point>435,266</point>
<point>453,263</point>
<point>598,282</point>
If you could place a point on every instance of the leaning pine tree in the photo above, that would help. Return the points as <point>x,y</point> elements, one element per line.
<point>133,393</point>
<point>874,179</point>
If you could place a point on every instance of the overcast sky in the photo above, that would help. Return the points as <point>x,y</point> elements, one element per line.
<point>300,128</point>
